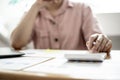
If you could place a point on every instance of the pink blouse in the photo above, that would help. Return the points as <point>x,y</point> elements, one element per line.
<point>71,27</point>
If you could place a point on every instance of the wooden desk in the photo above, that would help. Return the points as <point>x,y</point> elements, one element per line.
<point>59,69</point>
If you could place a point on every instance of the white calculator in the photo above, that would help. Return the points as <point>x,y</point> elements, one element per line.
<point>85,56</point>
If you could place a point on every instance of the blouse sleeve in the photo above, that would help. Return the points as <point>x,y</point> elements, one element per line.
<point>90,24</point>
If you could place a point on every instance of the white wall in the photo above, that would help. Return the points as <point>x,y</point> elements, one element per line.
<point>103,6</point>
<point>110,23</point>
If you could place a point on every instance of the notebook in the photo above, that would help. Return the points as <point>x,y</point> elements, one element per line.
<point>8,53</point>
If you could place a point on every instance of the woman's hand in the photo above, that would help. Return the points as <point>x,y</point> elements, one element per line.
<point>99,43</point>
<point>41,3</point>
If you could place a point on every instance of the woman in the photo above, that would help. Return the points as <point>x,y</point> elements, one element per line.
<point>60,24</point>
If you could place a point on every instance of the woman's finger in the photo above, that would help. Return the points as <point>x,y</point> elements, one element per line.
<point>108,46</point>
<point>91,40</point>
<point>99,42</point>
<point>103,44</point>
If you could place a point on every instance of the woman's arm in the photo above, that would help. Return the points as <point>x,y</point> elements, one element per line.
<point>22,34</point>
<point>96,41</point>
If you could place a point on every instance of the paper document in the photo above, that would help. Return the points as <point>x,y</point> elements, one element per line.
<point>62,66</point>
<point>19,63</point>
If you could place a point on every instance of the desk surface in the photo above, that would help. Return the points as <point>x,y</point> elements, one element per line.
<point>58,68</point>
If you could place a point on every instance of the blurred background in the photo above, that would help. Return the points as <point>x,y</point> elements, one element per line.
<point>106,11</point>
